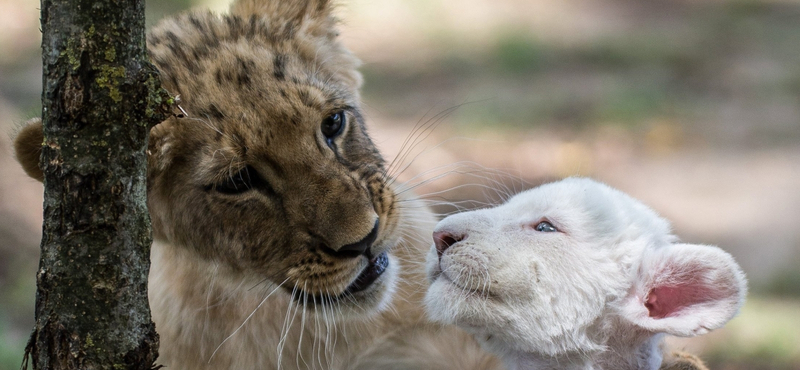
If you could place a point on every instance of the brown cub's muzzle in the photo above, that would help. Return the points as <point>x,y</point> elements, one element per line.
<point>376,265</point>
<point>355,249</point>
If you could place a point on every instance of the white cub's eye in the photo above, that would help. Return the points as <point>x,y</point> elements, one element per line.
<point>545,227</point>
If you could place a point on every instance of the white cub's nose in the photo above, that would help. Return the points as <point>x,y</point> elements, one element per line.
<point>445,239</point>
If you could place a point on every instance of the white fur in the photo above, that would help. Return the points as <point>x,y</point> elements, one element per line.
<point>576,298</point>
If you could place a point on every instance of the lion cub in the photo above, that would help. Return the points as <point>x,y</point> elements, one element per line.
<point>280,239</point>
<point>577,275</point>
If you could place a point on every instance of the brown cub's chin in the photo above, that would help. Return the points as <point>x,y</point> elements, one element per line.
<point>376,266</point>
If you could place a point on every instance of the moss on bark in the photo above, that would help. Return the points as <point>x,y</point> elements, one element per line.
<point>100,98</point>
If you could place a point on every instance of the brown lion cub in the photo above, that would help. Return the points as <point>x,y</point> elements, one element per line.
<point>280,242</point>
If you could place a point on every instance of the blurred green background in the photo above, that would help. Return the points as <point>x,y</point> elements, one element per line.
<point>691,106</point>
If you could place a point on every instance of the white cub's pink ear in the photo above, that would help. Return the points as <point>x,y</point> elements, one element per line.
<point>685,290</point>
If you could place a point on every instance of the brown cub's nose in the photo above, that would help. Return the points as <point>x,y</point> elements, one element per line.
<point>358,248</point>
<point>444,239</point>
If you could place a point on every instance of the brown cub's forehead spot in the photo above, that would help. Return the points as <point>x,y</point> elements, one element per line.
<point>259,119</point>
<point>207,58</point>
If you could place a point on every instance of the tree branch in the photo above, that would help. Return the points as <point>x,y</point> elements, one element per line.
<point>101,96</point>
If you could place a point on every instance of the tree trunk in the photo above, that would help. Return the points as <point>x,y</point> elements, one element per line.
<point>101,96</point>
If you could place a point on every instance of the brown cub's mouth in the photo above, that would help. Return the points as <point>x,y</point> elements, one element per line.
<point>376,266</point>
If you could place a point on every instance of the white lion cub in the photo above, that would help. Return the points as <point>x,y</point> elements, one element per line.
<point>577,275</point>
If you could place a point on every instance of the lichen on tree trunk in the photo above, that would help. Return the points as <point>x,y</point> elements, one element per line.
<point>101,96</point>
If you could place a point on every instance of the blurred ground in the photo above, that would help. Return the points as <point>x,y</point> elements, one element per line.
<point>691,106</point>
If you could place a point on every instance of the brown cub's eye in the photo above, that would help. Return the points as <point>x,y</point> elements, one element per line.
<point>239,182</point>
<point>243,181</point>
<point>545,227</point>
<point>333,125</point>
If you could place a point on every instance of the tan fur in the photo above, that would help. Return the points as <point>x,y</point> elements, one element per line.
<point>682,361</point>
<point>254,87</point>
<point>427,347</point>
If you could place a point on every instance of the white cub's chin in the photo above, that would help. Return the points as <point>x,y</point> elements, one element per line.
<point>437,305</point>
<point>447,303</point>
<point>443,298</point>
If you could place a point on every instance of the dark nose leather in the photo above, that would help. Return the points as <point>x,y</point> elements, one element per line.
<point>358,248</point>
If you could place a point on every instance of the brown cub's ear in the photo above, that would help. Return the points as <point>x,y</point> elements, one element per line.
<point>682,361</point>
<point>28,148</point>
<point>315,11</point>
<point>312,24</point>
<point>160,147</point>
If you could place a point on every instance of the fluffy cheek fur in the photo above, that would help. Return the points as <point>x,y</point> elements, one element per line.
<point>562,305</point>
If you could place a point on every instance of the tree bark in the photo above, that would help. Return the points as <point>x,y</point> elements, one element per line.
<point>100,98</point>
